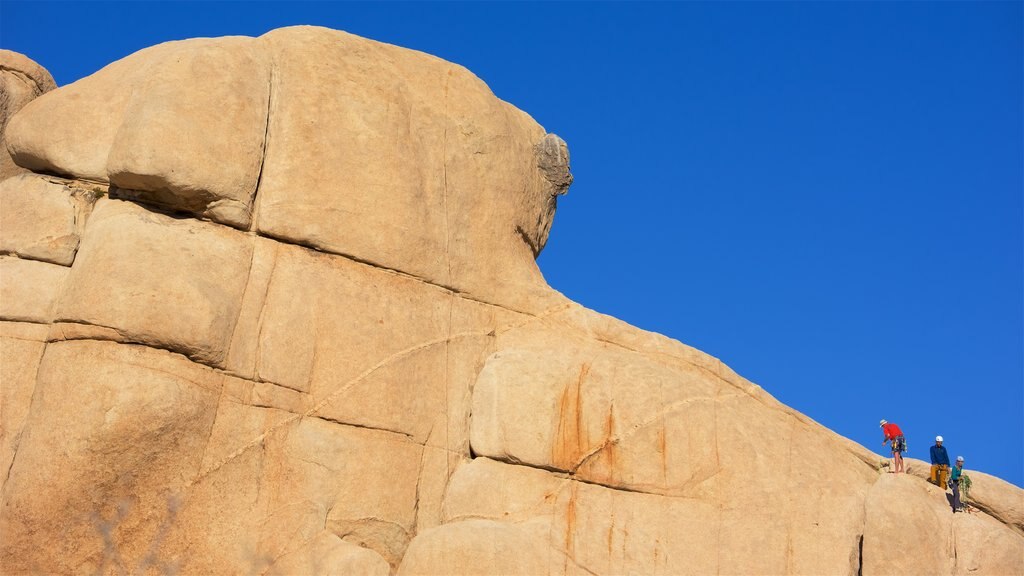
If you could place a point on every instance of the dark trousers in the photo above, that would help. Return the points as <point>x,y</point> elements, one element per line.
<point>956,497</point>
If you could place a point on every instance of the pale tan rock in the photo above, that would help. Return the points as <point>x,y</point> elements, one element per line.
<point>384,154</point>
<point>39,219</point>
<point>437,467</point>
<point>611,531</point>
<point>997,498</point>
<point>478,547</point>
<point>21,348</point>
<point>29,289</point>
<point>381,466</point>
<point>906,532</point>
<point>21,81</point>
<point>984,545</point>
<point>362,358</point>
<point>594,529</point>
<point>162,281</point>
<point>26,69</point>
<point>486,488</point>
<point>359,129</point>
<point>328,554</point>
<point>363,371</point>
<point>85,114</point>
<point>196,150</point>
<point>140,125</point>
<point>246,339</point>
<point>992,495</point>
<point>572,413</point>
<point>911,529</point>
<point>132,426</point>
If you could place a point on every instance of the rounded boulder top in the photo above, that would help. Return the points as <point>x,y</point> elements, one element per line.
<point>321,138</point>
<point>30,71</point>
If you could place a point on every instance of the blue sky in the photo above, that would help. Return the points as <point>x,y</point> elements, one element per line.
<point>826,196</point>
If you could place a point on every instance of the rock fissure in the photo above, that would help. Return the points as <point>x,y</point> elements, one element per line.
<point>405,435</point>
<point>254,201</point>
<point>376,265</point>
<point>571,477</point>
<point>23,321</point>
<point>258,355</point>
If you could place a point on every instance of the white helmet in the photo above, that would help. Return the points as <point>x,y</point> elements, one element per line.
<point>959,458</point>
<point>882,423</point>
<point>938,438</point>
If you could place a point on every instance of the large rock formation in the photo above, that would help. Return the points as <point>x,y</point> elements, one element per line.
<point>270,305</point>
<point>21,81</point>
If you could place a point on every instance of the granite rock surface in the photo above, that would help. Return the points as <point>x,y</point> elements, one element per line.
<point>270,305</point>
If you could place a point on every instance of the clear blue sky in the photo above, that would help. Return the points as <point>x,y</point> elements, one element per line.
<point>826,196</point>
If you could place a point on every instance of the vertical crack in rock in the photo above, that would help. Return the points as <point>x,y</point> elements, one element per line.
<point>863,529</point>
<point>254,202</point>
<point>241,308</point>
<point>419,483</point>
<point>860,555</point>
<point>790,497</point>
<point>952,543</point>
<point>448,263</point>
<point>444,176</point>
<point>16,442</point>
<point>258,354</point>
<point>447,384</point>
<point>209,437</point>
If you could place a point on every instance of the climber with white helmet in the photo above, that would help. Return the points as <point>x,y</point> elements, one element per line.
<point>893,434</point>
<point>940,463</point>
<point>954,483</point>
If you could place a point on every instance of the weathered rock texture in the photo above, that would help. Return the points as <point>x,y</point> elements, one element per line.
<point>21,81</point>
<point>290,322</point>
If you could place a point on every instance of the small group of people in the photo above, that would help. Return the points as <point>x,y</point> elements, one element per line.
<point>940,475</point>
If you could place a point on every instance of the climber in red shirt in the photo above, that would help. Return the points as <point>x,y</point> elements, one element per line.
<point>893,434</point>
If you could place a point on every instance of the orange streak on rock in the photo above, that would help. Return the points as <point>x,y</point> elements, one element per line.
<point>569,445</point>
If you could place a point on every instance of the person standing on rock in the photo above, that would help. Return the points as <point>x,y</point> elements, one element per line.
<point>940,463</point>
<point>893,434</point>
<point>954,483</point>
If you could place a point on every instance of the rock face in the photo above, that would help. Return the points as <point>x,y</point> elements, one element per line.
<point>21,81</point>
<point>290,322</point>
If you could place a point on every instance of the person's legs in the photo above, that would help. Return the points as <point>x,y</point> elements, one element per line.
<point>899,462</point>
<point>956,496</point>
<point>943,475</point>
<point>934,475</point>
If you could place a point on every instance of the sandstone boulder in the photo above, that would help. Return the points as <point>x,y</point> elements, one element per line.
<point>42,219</point>
<point>393,169</point>
<point>21,81</point>
<point>290,321</point>
<point>29,289</point>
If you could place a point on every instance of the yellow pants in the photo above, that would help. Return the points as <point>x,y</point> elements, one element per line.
<point>940,472</point>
